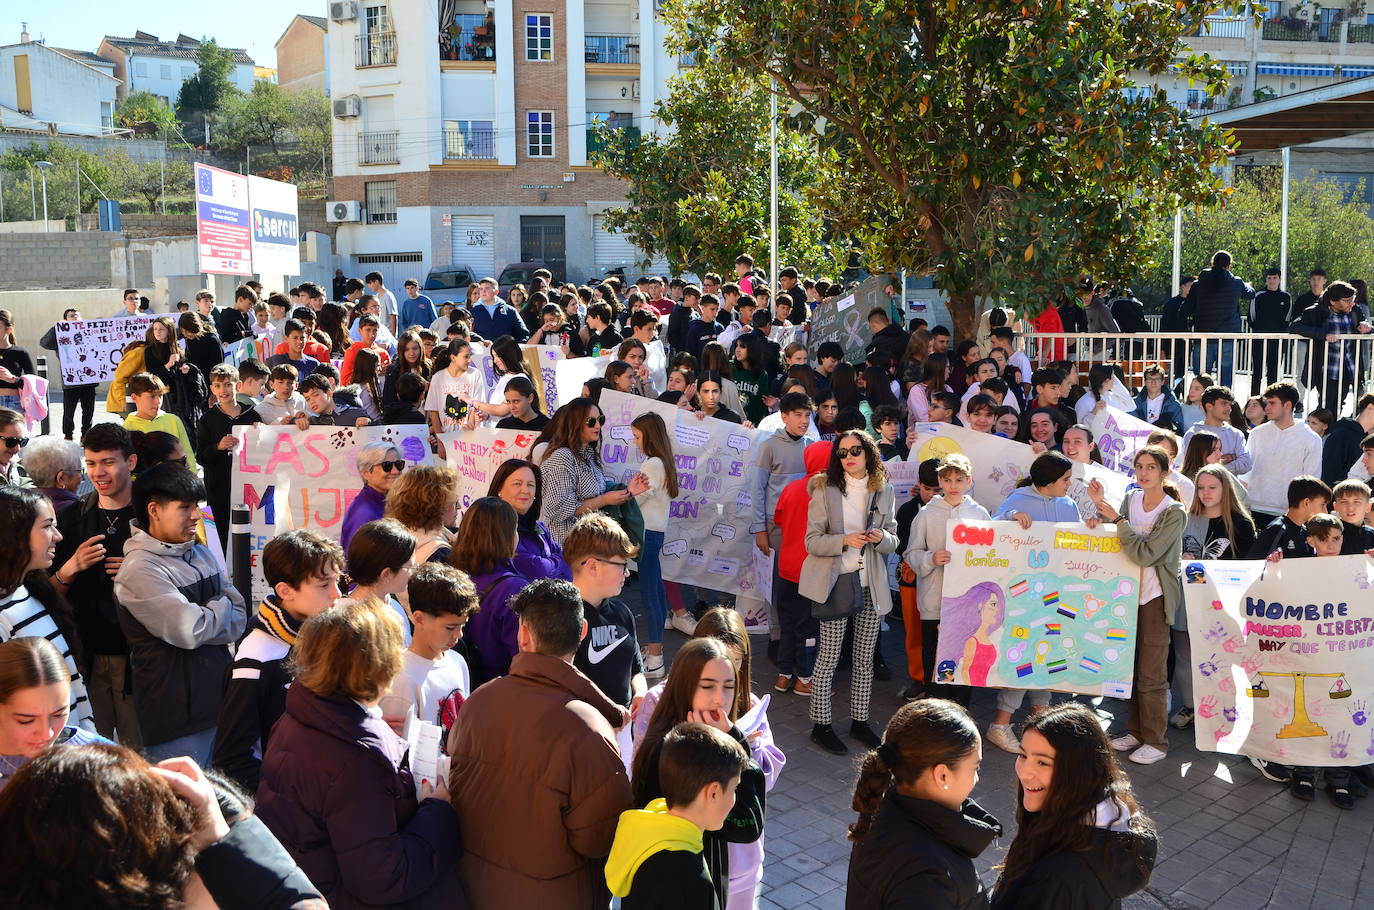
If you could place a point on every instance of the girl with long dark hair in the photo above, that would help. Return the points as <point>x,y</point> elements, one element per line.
<point>484,548</point>
<point>934,378</point>
<point>410,358</point>
<point>572,467</point>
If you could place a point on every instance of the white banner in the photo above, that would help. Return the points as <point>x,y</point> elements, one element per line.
<point>1281,658</point>
<point>90,349</point>
<point>570,373</point>
<point>998,463</point>
<point>276,229</point>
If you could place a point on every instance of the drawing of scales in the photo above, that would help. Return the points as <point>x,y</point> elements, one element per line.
<point>1301,725</point>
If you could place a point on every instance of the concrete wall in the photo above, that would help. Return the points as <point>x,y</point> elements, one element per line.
<point>33,227</point>
<point>36,311</point>
<point>83,260</point>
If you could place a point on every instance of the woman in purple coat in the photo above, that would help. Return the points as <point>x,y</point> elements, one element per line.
<point>485,550</point>
<point>379,464</point>
<point>334,790</point>
<point>520,484</point>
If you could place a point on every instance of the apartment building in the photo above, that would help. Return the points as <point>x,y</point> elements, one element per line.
<point>147,63</point>
<point>463,138</point>
<point>301,62</point>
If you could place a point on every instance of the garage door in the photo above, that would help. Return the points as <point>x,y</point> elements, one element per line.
<point>612,250</point>
<point>474,243</point>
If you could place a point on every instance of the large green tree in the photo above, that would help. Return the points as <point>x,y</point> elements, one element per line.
<point>147,115</point>
<point>699,194</point>
<point>203,95</point>
<point>263,116</point>
<point>994,144</point>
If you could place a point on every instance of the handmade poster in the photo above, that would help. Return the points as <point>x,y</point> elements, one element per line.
<point>90,349</point>
<point>998,463</point>
<point>476,454</point>
<point>708,543</point>
<point>1119,436</point>
<point>844,322</point>
<point>1281,658</point>
<point>1052,607</point>
<point>545,377</point>
<point>290,478</point>
<point>570,373</point>
<point>259,346</point>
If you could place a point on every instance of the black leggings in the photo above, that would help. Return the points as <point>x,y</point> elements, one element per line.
<point>73,395</point>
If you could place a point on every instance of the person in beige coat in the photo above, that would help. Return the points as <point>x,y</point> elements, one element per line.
<point>850,525</point>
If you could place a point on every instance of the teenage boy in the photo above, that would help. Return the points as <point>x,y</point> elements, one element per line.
<point>452,388</point>
<point>1341,447</point>
<point>889,341</point>
<point>492,317</point>
<point>797,630</point>
<point>368,327</point>
<point>1270,311</point>
<point>598,551</point>
<point>656,861</point>
<point>1156,405</point>
<point>742,321</point>
<point>284,402</point>
<point>147,390</point>
<point>1280,448</point>
<point>598,336</point>
<point>179,614</point>
<point>942,408</point>
<point>744,274</point>
<point>434,679</point>
<point>729,300</point>
<point>295,349</point>
<point>233,323</point>
<point>828,356</point>
<point>253,376</point>
<point>682,317</point>
<point>1307,496</point>
<point>890,444</point>
<point>410,391</point>
<point>215,442</point>
<point>1216,411</point>
<point>927,488</point>
<point>386,300</point>
<point>302,569</point>
<point>323,409</point>
<point>279,310</point>
<point>1003,336</point>
<point>313,348</point>
<point>644,329</point>
<point>91,550</point>
<point>1048,385</point>
<point>705,329</point>
<point>939,340</point>
<point>416,308</point>
<point>1350,502</point>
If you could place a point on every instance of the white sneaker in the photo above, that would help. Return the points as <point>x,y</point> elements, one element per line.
<point>1146,755</point>
<point>1000,735</point>
<point>668,621</point>
<point>684,623</point>
<point>653,666</point>
<point>1125,743</point>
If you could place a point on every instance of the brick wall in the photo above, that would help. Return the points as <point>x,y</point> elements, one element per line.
<point>72,260</point>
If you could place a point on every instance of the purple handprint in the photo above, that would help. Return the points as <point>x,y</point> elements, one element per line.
<point>1360,715</point>
<point>1208,666</point>
<point>1340,744</point>
<point>1229,714</point>
<point>1216,633</point>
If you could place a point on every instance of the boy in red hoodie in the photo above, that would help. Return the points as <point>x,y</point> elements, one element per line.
<point>797,636</point>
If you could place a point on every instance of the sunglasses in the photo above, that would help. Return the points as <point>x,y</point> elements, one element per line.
<point>183,461</point>
<point>851,452</point>
<point>389,466</point>
<point>15,442</point>
<point>596,421</point>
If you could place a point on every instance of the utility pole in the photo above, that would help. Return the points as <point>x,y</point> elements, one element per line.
<point>773,194</point>
<point>33,196</point>
<point>162,176</point>
<point>76,214</point>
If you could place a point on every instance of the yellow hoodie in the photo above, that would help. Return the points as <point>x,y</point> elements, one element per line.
<point>640,834</point>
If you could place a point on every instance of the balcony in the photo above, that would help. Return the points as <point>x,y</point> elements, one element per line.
<point>1222,27</point>
<point>379,147</point>
<point>374,49</point>
<point>471,37</point>
<point>612,49</point>
<point>596,142</point>
<point>469,140</point>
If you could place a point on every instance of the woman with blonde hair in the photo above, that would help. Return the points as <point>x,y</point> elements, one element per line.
<point>425,500</point>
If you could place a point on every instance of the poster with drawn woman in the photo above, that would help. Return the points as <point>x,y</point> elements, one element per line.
<point>1052,607</point>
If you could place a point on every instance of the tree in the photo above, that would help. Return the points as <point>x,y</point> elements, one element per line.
<point>17,165</point>
<point>146,114</point>
<point>994,144</point>
<point>149,180</point>
<point>261,117</point>
<point>204,94</point>
<point>699,194</point>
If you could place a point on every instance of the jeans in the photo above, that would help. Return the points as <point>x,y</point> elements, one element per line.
<point>651,584</point>
<point>1182,683</point>
<point>1228,357</point>
<point>115,717</point>
<point>1010,699</point>
<point>1264,365</point>
<point>198,746</point>
<point>797,631</point>
<point>71,397</point>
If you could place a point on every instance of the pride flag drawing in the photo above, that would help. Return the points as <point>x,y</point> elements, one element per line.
<point>1052,599</point>
<point>1054,628</point>
<point>1067,611</point>
<point>1024,670</point>
<point>1090,665</point>
<point>1021,587</point>
<point>1116,635</point>
<point>1057,666</point>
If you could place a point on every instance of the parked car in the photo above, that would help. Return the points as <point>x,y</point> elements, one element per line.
<point>448,283</point>
<point>522,273</point>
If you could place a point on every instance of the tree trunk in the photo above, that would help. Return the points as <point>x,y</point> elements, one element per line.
<point>963,312</point>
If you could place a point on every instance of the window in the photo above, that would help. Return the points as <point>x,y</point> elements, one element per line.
<point>1273,9</point>
<point>141,70</point>
<point>187,72</point>
<point>380,200</point>
<point>539,134</point>
<point>538,37</point>
<point>106,115</point>
<point>376,19</point>
<point>164,71</point>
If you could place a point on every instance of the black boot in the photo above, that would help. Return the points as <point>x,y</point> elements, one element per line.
<point>861,731</point>
<point>824,736</point>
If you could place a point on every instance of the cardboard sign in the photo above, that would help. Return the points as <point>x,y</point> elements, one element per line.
<point>90,349</point>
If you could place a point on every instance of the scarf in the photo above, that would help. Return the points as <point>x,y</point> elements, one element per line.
<point>275,621</point>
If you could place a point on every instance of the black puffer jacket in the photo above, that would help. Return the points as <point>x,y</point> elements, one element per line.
<point>919,856</point>
<point>1116,865</point>
<point>1213,301</point>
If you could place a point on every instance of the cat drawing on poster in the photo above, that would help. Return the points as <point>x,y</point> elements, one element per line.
<point>968,651</point>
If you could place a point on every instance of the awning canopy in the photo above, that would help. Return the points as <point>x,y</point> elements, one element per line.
<point>1330,112</point>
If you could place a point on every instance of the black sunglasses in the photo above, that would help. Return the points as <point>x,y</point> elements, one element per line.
<point>596,421</point>
<point>852,451</point>
<point>15,442</point>
<point>388,466</point>
<point>183,461</point>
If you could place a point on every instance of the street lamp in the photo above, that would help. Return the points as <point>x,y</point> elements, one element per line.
<point>43,173</point>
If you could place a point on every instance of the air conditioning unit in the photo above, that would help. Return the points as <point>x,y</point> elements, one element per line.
<point>634,89</point>
<point>343,10</point>
<point>348,106</point>
<point>341,210</point>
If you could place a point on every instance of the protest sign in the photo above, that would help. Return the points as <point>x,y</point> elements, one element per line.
<point>1280,671</point>
<point>290,478</point>
<point>476,454</point>
<point>841,321</point>
<point>1119,436</point>
<point>544,357</point>
<point>90,349</point>
<point>259,346</point>
<point>1051,607</point>
<point>998,463</point>
<point>570,373</point>
<point>708,543</point>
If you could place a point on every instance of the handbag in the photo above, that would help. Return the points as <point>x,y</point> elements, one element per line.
<point>847,596</point>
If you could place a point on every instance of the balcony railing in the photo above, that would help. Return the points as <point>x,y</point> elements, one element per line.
<point>470,140</point>
<point>472,36</point>
<point>375,49</point>
<point>380,147</point>
<point>597,143</point>
<point>1223,27</point>
<point>612,49</point>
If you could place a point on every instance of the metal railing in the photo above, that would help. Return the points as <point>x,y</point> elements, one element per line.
<point>1223,27</point>
<point>1246,362</point>
<point>374,49</point>
<point>612,49</point>
<point>596,142</point>
<point>472,139</point>
<point>380,147</point>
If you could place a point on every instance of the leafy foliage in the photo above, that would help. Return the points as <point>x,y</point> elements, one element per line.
<point>23,200</point>
<point>203,95</point>
<point>990,143</point>
<point>149,179</point>
<point>699,194</point>
<point>146,114</point>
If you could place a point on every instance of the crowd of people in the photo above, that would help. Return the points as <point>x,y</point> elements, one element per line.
<point>584,763</point>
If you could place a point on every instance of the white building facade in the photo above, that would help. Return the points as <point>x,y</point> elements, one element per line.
<point>48,90</point>
<point>144,63</point>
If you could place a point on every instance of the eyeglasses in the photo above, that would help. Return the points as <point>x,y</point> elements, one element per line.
<point>851,452</point>
<point>183,461</point>
<point>389,466</point>
<point>623,566</point>
<point>15,442</point>
<point>596,421</point>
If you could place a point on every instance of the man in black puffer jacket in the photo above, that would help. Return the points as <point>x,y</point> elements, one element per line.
<point>1213,304</point>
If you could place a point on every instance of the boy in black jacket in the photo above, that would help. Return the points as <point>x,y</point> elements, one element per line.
<point>302,568</point>
<point>656,861</point>
<point>1307,496</point>
<point>1350,501</point>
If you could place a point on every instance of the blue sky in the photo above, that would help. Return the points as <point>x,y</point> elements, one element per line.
<point>251,24</point>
